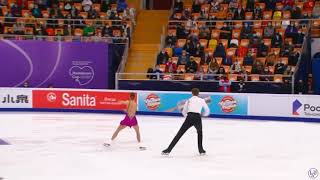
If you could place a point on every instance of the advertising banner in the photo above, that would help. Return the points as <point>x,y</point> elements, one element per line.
<point>58,64</point>
<point>174,102</point>
<point>16,98</point>
<point>284,105</point>
<point>91,100</point>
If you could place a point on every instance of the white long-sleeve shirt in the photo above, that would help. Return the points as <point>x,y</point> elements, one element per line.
<point>195,105</point>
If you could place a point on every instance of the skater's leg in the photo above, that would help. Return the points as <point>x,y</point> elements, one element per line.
<point>198,126</point>
<point>136,128</point>
<point>115,134</point>
<point>185,126</point>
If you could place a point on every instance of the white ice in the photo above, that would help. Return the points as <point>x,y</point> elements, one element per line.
<point>68,146</point>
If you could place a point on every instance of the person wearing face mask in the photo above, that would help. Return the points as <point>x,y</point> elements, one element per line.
<point>162,57</point>
<point>265,75</point>
<point>291,30</point>
<point>287,49</point>
<point>248,60</point>
<point>276,40</point>
<point>236,67</point>
<point>298,38</point>
<point>268,30</point>
<point>178,6</point>
<point>279,68</point>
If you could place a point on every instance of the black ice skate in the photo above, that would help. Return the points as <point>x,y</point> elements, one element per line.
<point>202,153</point>
<point>165,152</point>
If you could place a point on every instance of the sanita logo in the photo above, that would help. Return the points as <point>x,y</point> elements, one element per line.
<point>51,97</point>
<point>82,100</point>
<point>308,109</point>
<point>228,104</point>
<point>152,101</point>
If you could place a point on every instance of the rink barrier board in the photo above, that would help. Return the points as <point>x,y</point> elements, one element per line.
<point>231,117</point>
<point>240,106</point>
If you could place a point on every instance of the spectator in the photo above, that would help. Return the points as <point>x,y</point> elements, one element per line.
<point>162,57</point>
<point>291,30</point>
<point>227,61</point>
<point>234,43</point>
<point>212,43</point>
<point>239,13</point>
<point>149,74</point>
<point>268,30</point>
<point>262,50</point>
<point>257,67</point>
<point>287,49</point>
<point>87,5</point>
<point>171,40</point>
<point>265,75</point>
<point>316,11</point>
<point>277,15</point>
<point>178,6</point>
<point>215,6</point>
<point>271,58</point>
<point>234,5</point>
<point>18,28</point>
<point>220,51</point>
<point>298,38</point>
<point>225,32</point>
<point>293,58</point>
<point>295,12</point>
<point>16,10</point>
<point>189,47</point>
<point>213,67</point>
<point>36,12</point>
<point>287,4</point>
<point>250,5</point>
<point>270,4</point>
<point>170,66</point>
<point>158,73</point>
<point>279,68</point>
<point>257,13</point>
<point>276,40</point>
<point>92,14</point>
<point>308,5</point>
<point>184,58</point>
<point>107,31</point>
<point>191,66</point>
<point>196,7</point>
<point>236,67</point>
<point>224,84</point>
<point>248,60</point>
<point>88,30</point>
<point>199,51</point>
<point>246,31</point>
<point>74,12</point>
<point>122,5</point>
<point>242,51</point>
<point>221,71</point>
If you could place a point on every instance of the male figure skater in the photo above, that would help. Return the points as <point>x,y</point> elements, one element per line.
<point>192,110</point>
<point>130,120</point>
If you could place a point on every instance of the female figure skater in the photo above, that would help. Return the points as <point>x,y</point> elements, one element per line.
<point>129,121</point>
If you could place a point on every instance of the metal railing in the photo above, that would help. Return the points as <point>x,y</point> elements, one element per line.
<point>64,38</point>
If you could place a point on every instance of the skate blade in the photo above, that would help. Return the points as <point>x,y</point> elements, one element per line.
<point>203,154</point>
<point>142,148</point>
<point>106,144</point>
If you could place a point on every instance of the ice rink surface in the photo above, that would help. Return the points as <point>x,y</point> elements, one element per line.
<point>68,146</point>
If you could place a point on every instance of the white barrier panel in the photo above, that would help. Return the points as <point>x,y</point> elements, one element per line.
<point>284,105</point>
<point>15,98</point>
